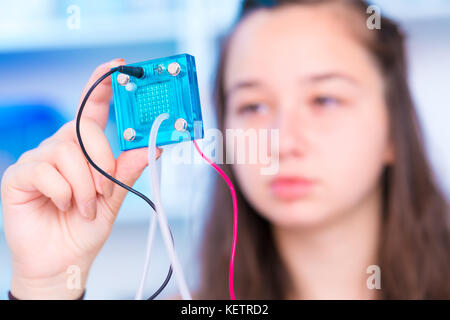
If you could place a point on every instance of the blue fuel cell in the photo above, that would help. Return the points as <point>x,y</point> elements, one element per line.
<point>169,85</point>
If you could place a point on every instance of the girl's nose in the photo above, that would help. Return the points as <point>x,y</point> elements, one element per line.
<point>291,122</point>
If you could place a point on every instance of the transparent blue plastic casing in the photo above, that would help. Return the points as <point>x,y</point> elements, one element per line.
<point>169,86</point>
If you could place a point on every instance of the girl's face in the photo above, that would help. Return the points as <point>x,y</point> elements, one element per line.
<point>301,69</point>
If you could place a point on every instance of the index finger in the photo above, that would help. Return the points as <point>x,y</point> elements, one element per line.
<point>97,106</point>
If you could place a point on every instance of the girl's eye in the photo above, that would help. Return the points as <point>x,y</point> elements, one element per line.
<point>258,108</point>
<point>326,101</point>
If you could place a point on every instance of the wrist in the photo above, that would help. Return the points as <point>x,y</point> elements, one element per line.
<point>59,287</point>
<point>11,297</point>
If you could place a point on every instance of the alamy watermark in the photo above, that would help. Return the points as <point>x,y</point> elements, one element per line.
<point>74,277</point>
<point>374,20</point>
<point>374,281</point>
<point>243,146</point>
<point>73,21</point>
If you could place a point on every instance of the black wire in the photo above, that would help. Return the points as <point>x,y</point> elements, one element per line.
<point>83,103</point>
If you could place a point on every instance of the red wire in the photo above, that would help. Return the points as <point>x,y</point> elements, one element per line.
<point>235,215</point>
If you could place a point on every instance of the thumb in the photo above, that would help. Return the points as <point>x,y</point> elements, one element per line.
<point>129,167</point>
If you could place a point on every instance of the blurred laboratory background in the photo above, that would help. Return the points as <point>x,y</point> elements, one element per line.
<point>49,48</point>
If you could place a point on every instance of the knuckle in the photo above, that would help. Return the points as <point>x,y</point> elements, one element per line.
<point>67,131</point>
<point>5,183</point>
<point>88,124</point>
<point>6,175</point>
<point>66,149</point>
<point>69,126</point>
<point>45,142</point>
<point>26,156</point>
<point>40,169</point>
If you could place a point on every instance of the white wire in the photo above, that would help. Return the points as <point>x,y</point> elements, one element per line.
<point>160,213</point>
<point>151,233</point>
<point>150,237</point>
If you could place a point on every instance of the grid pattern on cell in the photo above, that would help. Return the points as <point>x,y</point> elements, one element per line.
<point>152,100</point>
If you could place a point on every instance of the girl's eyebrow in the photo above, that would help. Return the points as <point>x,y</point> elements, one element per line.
<point>243,85</point>
<point>313,78</point>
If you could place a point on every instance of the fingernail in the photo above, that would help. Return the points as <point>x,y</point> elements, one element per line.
<point>107,188</point>
<point>117,60</point>
<point>90,208</point>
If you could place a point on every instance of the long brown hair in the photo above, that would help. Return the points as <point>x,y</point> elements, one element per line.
<point>414,244</point>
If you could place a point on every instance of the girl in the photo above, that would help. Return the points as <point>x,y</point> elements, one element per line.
<point>354,195</point>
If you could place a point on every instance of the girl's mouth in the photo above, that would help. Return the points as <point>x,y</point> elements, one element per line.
<point>291,188</point>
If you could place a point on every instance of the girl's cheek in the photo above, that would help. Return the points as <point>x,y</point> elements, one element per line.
<point>357,159</point>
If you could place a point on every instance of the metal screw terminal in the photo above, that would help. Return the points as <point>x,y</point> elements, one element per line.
<point>180,125</point>
<point>174,68</point>
<point>131,86</point>
<point>129,134</point>
<point>123,79</point>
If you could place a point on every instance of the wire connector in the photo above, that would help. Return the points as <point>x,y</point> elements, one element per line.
<point>136,72</point>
